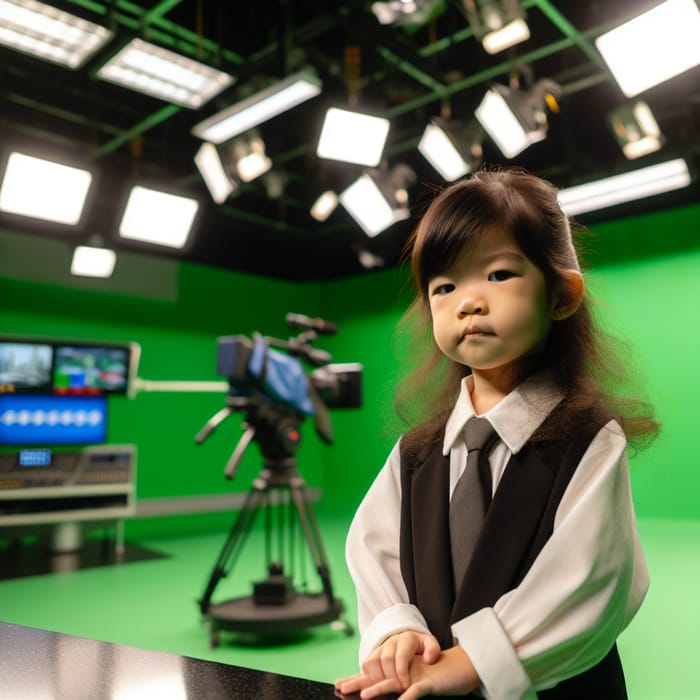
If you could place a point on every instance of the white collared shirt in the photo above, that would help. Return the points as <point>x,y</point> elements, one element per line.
<point>583,589</point>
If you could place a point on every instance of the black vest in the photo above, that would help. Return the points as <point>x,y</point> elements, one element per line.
<point>519,521</point>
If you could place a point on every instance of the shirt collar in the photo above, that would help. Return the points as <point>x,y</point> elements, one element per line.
<point>515,418</point>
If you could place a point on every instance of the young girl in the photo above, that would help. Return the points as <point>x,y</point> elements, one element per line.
<point>557,571</point>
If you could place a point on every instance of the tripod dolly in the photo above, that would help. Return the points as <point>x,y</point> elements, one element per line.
<point>280,492</point>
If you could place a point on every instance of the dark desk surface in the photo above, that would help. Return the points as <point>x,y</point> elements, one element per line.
<point>39,664</point>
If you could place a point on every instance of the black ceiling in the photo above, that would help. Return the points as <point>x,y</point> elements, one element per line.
<point>409,73</point>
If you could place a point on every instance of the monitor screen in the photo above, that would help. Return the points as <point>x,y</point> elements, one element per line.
<point>25,367</point>
<point>86,370</point>
<point>52,420</point>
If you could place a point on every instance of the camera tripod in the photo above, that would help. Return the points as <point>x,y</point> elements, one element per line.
<point>280,492</point>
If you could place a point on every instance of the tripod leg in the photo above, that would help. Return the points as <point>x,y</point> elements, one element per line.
<point>239,532</point>
<point>312,535</point>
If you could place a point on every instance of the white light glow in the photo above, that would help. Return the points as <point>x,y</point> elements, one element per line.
<point>93,262</point>
<point>158,217</point>
<point>43,189</point>
<point>268,103</point>
<point>161,73</point>
<point>503,127</point>
<point>210,167</point>
<point>368,206</point>
<point>352,137</point>
<point>48,33</point>
<point>440,152</point>
<point>513,33</point>
<point>628,187</point>
<point>324,206</point>
<point>654,46</point>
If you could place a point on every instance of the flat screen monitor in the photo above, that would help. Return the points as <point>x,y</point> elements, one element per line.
<point>25,367</point>
<point>85,370</point>
<point>52,420</point>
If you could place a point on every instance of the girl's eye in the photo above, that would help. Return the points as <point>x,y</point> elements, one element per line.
<point>500,276</point>
<point>444,288</point>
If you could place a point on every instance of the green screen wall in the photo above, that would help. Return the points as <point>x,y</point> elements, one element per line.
<point>645,274</point>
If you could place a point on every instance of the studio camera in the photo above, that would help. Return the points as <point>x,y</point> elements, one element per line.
<point>267,378</point>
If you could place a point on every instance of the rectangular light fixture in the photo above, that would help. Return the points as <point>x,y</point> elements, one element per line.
<point>509,35</point>
<point>654,46</point>
<point>636,129</point>
<point>352,137</point>
<point>155,71</point>
<point>637,184</point>
<point>501,117</point>
<point>157,217</point>
<point>46,32</point>
<point>324,205</point>
<point>442,153</point>
<point>366,204</point>
<point>89,261</point>
<point>211,168</point>
<point>258,108</point>
<point>44,189</point>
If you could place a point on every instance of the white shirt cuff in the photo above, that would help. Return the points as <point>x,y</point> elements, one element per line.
<point>490,650</point>
<point>397,618</point>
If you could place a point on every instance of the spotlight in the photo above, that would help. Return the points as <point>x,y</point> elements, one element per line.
<point>654,46</point>
<point>211,167</point>
<point>264,105</point>
<point>403,11</point>
<point>325,205</point>
<point>497,25</point>
<point>248,152</point>
<point>379,198</point>
<point>516,118</point>
<point>636,130</point>
<point>160,73</point>
<point>453,149</point>
<point>352,137</point>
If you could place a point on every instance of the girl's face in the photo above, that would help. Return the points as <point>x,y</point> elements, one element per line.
<point>490,307</point>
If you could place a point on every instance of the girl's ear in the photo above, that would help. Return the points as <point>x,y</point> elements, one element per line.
<point>569,296</point>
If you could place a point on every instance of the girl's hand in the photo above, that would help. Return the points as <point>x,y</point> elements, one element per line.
<point>386,669</point>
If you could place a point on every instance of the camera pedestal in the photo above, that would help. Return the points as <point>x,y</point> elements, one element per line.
<point>275,606</point>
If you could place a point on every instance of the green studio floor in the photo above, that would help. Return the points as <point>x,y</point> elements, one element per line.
<point>152,604</point>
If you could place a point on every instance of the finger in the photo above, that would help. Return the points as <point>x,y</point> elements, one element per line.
<point>404,656</point>
<point>353,684</point>
<point>372,667</point>
<point>386,687</point>
<point>431,650</point>
<point>417,690</point>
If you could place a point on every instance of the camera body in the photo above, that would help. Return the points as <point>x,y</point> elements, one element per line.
<point>259,372</point>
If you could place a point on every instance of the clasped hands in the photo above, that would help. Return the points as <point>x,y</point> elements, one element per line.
<point>412,665</point>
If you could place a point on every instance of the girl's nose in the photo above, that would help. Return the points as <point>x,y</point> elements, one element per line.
<point>471,304</point>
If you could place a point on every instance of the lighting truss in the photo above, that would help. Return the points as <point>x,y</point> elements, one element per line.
<point>155,71</point>
<point>637,184</point>
<point>46,32</point>
<point>44,189</point>
<point>654,46</point>
<point>258,108</point>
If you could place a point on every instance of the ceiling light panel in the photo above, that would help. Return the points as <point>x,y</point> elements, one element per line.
<point>637,184</point>
<point>155,71</point>
<point>442,154</point>
<point>158,217</point>
<point>654,46</point>
<point>352,137</point>
<point>259,108</point>
<point>48,33</point>
<point>89,261</point>
<point>43,189</point>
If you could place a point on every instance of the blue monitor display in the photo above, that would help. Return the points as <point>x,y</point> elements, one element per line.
<point>29,419</point>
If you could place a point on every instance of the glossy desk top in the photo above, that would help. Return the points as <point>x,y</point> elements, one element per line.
<point>37,665</point>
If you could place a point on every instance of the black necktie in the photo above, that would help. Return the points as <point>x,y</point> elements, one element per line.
<point>471,495</point>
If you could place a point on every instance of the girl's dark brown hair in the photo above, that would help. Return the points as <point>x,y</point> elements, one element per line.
<point>577,352</point>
